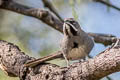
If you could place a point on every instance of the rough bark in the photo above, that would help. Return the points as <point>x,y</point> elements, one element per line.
<point>12,61</point>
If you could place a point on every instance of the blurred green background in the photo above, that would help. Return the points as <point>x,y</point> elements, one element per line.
<point>38,39</point>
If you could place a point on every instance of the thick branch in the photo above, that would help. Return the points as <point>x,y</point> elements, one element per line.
<point>42,15</point>
<point>12,61</point>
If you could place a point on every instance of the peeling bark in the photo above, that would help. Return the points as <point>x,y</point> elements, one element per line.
<point>12,59</point>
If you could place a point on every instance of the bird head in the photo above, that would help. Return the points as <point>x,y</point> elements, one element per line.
<point>71,27</point>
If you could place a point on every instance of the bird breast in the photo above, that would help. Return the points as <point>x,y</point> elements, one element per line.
<point>83,49</point>
<point>77,53</point>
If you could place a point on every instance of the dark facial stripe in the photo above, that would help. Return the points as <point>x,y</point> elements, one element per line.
<point>73,31</point>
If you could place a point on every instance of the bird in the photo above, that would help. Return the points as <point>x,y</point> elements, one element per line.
<point>75,45</point>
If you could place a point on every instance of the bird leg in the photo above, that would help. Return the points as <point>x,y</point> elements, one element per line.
<point>67,61</point>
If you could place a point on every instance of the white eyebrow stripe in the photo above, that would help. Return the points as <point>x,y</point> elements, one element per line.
<point>72,26</point>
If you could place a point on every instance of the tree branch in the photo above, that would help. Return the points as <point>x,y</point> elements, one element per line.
<point>49,5</point>
<point>49,19</point>
<point>12,61</point>
<point>40,14</point>
<point>108,4</point>
<point>106,39</point>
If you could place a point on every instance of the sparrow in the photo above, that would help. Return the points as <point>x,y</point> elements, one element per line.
<point>76,44</point>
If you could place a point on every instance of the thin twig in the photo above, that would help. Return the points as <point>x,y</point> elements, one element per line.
<point>49,5</point>
<point>108,4</point>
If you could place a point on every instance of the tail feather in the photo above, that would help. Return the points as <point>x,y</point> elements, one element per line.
<point>35,62</point>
